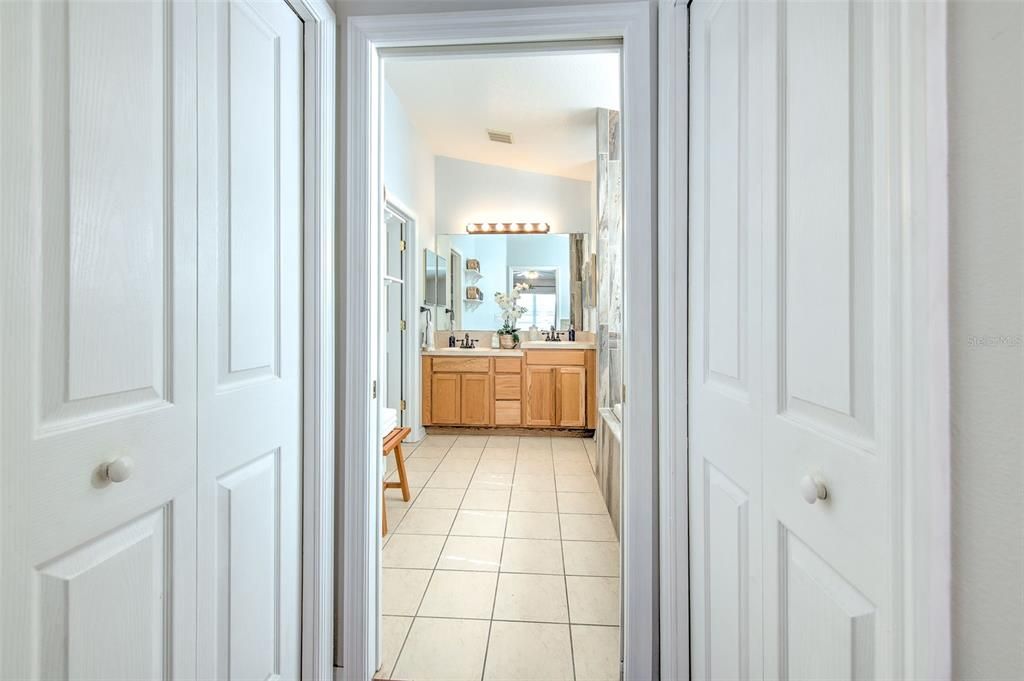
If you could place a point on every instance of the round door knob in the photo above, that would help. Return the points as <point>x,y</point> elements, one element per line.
<point>812,489</point>
<point>119,470</point>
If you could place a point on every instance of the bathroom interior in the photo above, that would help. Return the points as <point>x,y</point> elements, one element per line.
<point>501,341</point>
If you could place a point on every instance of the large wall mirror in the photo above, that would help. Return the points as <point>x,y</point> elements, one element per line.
<point>557,268</point>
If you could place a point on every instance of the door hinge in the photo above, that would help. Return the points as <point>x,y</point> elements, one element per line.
<point>401,245</point>
<point>401,325</point>
<point>373,391</point>
<point>401,405</point>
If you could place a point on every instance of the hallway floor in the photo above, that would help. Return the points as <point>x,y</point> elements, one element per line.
<point>504,564</point>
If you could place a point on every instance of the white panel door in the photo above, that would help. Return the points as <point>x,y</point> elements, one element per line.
<point>250,325</point>
<point>832,390</point>
<point>793,387</point>
<point>98,347</point>
<point>725,390</point>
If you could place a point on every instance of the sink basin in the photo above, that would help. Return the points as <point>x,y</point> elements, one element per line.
<point>556,345</point>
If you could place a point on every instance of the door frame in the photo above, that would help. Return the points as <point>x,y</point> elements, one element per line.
<point>630,22</point>
<point>318,331</point>
<point>411,295</point>
<point>919,179</point>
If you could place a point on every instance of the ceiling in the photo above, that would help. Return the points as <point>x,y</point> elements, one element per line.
<point>546,101</point>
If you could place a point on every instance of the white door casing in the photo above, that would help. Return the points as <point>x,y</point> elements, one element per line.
<point>98,308</point>
<point>835,146</point>
<point>250,339</point>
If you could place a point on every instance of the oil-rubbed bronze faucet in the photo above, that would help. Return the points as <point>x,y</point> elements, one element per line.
<point>467,344</point>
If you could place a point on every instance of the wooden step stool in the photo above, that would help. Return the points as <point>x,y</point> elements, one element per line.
<point>393,443</point>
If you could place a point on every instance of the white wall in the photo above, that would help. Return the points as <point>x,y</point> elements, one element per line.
<point>986,119</point>
<point>477,192</point>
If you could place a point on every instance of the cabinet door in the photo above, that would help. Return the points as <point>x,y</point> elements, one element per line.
<point>540,396</point>
<point>445,393</point>
<point>572,397</point>
<point>476,399</point>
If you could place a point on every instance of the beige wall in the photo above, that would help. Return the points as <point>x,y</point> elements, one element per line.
<point>986,119</point>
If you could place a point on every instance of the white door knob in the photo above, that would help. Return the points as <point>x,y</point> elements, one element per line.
<point>812,489</point>
<point>119,470</point>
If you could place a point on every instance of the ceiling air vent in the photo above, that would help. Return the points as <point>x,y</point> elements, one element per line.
<point>499,136</point>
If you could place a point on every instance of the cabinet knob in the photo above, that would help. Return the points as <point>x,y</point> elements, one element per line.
<point>118,470</point>
<point>812,489</point>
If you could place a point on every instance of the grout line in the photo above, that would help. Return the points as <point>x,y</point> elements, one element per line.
<point>565,583</point>
<point>497,580</point>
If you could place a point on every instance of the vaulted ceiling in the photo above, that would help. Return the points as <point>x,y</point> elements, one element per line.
<point>546,101</point>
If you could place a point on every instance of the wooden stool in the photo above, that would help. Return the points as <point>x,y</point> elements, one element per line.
<point>393,443</point>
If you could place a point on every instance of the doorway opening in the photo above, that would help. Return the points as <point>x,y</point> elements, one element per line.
<point>502,513</point>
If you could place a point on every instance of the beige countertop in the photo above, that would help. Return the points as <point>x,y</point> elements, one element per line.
<point>497,352</point>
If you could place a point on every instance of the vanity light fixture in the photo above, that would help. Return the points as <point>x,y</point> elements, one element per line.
<point>508,228</point>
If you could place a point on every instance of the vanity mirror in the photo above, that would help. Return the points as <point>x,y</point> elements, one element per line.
<point>553,266</point>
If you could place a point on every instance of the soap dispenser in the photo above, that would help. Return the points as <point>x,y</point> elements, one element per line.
<point>451,339</point>
<point>572,333</point>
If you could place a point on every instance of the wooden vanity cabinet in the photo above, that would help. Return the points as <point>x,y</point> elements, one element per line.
<point>543,389</point>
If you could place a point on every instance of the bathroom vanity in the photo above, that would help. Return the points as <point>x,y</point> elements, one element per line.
<point>533,387</point>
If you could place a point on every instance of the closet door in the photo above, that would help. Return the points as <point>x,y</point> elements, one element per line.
<point>250,324</point>
<point>97,263</point>
<point>832,321</point>
<point>726,382</point>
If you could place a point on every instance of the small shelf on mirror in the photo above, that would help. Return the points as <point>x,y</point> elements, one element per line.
<point>474,301</point>
<point>473,276</point>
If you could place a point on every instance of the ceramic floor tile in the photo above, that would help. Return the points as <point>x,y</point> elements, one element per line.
<point>471,441</point>
<point>526,651</point>
<point>401,590</point>
<point>464,643</point>
<point>471,553</point>
<point>535,456</point>
<point>492,480</point>
<point>428,452</point>
<point>449,480</point>
<point>534,444</point>
<point>534,467</point>
<point>596,652</point>
<point>469,523</point>
<point>538,502</point>
<point>393,631</point>
<point>491,453</point>
<point>536,556</point>
<point>488,465</point>
<point>502,442</point>
<point>454,465</point>
<point>466,595</point>
<point>438,440</point>
<point>531,598</point>
<point>427,464</point>
<point>394,501</point>
<point>591,558</point>
<point>581,502</point>
<point>587,527</point>
<point>439,498</point>
<point>532,525</point>
<point>483,499</point>
<point>568,444</point>
<point>457,452</point>
<point>535,483</point>
<point>426,521</point>
<point>593,600</point>
<point>576,483</point>
<point>395,517</point>
<point>574,467</point>
<point>412,551</point>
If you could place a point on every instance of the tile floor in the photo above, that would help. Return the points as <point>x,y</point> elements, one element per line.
<point>503,565</point>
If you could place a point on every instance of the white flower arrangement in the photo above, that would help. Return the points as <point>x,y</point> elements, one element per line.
<point>511,310</point>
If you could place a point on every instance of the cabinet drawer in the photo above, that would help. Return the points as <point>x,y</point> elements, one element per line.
<point>474,365</point>
<point>507,365</point>
<point>556,357</point>
<point>507,387</point>
<point>508,413</point>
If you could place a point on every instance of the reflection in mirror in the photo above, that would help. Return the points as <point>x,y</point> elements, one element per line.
<point>429,277</point>
<point>556,266</point>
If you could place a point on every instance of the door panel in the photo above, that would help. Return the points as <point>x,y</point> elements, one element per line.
<point>829,324</point>
<point>476,399</point>
<point>725,356</point>
<point>810,306</point>
<point>250,326</point>
<point>445,398</point>
<point>572,397</point>
<point>98,361</point>
<point>540,396</point>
